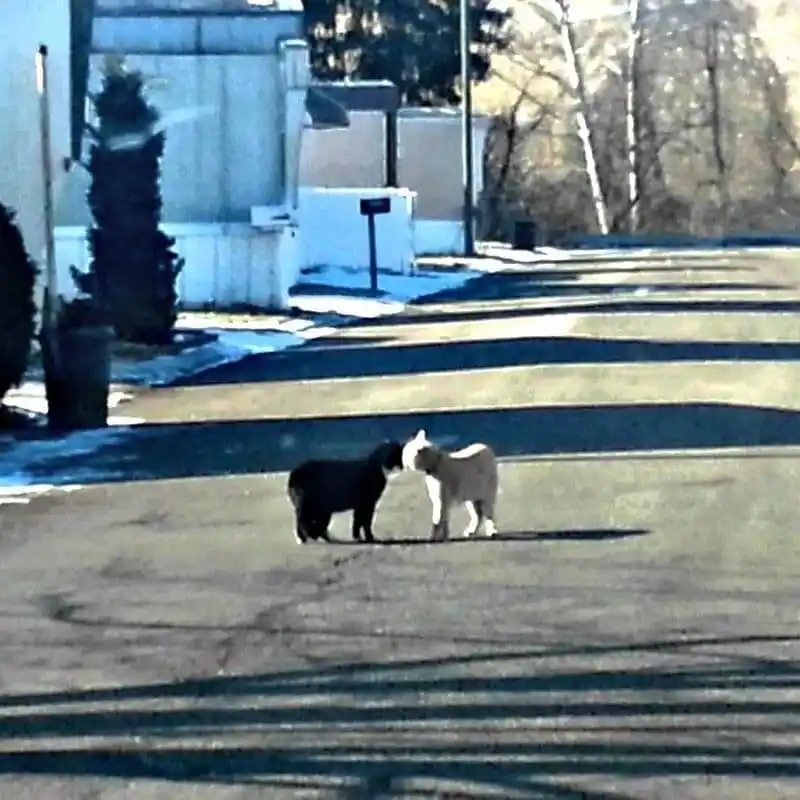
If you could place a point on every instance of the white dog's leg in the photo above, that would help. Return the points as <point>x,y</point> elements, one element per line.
<point>488,507</point>
<point>474,519</point>
<point>444,526</point>
<point>435,492</point>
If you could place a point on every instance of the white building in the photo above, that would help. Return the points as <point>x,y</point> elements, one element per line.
<point>25,27</point>
<point>236,74</point>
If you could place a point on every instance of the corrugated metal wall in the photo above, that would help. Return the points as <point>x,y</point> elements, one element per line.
<point>219,165</point>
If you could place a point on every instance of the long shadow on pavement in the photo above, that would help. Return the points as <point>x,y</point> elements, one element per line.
<point>564,282</point>
<point>584,308</point>
<point>513,723</point>
<point>315,362</point>
<point>566,291</point>
<point>560,286</point>
<point>163,451</point>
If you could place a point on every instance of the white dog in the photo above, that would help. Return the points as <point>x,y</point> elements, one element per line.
<point>466,476</point>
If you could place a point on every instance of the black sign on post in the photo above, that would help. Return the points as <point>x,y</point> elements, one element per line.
<point>370,208</point>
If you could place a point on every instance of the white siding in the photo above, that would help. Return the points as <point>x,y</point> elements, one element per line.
<point>25,26</point>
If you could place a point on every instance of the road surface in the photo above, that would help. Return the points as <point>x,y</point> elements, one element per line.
<point>633,633</point>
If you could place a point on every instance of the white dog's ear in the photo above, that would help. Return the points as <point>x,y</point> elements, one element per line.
<point>421,435</point>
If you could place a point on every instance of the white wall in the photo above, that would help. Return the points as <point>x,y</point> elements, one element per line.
<point>334,234</point>
<point>24,26</point>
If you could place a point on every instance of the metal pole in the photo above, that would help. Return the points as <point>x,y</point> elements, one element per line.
<point>466,128</point>
<point>373,254</point>
<point>42,89</point>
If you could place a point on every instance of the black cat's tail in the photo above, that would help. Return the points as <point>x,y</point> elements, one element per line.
<point>294,488</point>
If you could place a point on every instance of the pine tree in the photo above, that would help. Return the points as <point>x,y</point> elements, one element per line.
<point>414,43</point>
<point>17,307</point>
<point>133,268</point>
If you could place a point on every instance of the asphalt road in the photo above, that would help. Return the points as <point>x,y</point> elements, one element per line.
<point>632,634</point>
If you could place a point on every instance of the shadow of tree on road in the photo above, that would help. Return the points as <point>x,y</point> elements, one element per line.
<point>580,277</point>
<point>194,449</point>
<point>358,360</point>
<point>518,721</point>
<point>568,293</point>
<point>486,310</point>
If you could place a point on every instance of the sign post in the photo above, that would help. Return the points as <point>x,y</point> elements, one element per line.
<point>370,208</point>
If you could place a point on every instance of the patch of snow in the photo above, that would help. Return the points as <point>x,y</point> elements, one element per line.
<point>238,339</point>
<point>498,253</point>
<point>19,483</point>
<point>253,342</point>
<point>230,346</point>
<point>128,421</point>
<point>31,396</point>
<point>360,307</point>
<point>20,493</point>
<point>319,332</point>
<point>395,287</point>
<point>548,255</point>
<point>18,466</point>
<point>300,326</point>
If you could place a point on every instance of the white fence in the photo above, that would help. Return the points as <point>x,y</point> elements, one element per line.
<point>334,234</point>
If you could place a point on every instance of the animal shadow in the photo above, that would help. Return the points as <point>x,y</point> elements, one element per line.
<point>571,535</point>
<point>391,541</point>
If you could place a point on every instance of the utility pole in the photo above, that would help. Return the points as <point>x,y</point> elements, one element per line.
<point>43,91</point>
<point>466,129</point>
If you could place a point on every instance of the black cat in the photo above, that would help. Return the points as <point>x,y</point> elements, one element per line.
<point>319,489</point>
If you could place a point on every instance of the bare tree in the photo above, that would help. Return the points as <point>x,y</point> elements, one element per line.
<point>631,112</point>
<point>508,135</point>
<point>711,54</point>
<point>560,20</point>
<point>781,145</point>
<point>665,116</point>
